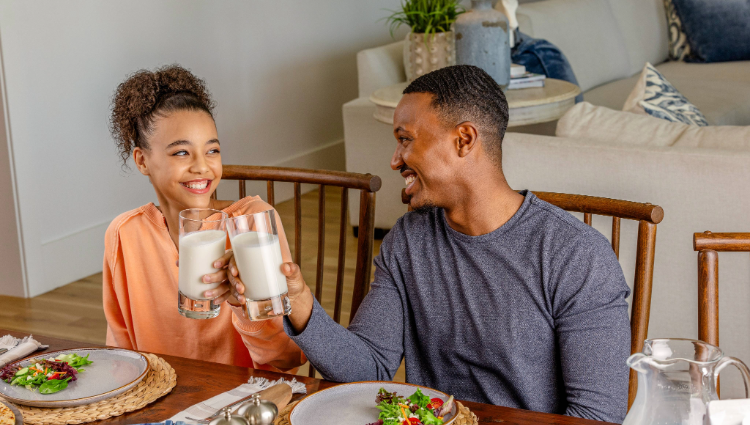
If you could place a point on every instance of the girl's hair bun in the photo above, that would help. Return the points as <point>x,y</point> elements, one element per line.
<point>145,95</point>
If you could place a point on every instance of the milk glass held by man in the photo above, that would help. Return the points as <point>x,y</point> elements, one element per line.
<point>164,121</point>
<point>488,294</point>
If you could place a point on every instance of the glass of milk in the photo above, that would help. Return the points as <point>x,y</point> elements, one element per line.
<point>257,252</point>
<point>203,239</point>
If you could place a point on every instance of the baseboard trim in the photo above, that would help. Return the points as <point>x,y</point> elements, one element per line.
<point>71,257</point>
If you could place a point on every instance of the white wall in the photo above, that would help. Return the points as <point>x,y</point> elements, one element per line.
<point>279,70</point>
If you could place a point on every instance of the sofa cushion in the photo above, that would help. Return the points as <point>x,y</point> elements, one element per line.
<point>717,31</point>
<point>720,90</point>
<point>603,125</point>
<point>654,95</point>
<point>587,33</point>
<point>380,67</point>
<point>643,25</point>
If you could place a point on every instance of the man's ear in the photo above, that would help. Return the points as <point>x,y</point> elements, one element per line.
<point>467,139</point>
<point>139,157</point>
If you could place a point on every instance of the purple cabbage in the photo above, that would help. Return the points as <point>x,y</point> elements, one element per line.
<point>8,372</point>
<point>59,366</point>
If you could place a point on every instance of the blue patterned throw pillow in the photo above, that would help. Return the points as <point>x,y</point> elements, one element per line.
<point>716,30</point>
<point>655,96</point>
<point>679,49</point>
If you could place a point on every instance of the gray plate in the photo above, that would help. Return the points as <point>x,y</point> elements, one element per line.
<point>354,404</point>
<point>114,371</point>
<point>16,413</point>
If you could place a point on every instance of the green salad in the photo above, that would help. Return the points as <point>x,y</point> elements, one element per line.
<point>417,409</point>
<point>47,375</point>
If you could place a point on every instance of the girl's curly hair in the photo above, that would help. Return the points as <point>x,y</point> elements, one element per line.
<point>146,95</point>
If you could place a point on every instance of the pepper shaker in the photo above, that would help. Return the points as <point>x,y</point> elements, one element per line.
<point>258,412</point>
<point>227,418</point>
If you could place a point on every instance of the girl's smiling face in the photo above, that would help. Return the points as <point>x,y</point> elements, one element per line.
<point>183,159</point>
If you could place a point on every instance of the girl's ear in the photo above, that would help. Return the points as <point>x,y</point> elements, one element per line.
<point>139,157</point>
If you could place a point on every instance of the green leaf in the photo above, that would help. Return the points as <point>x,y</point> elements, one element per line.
<point>53,386</point>
<point>419,399</point>
<point>427,417</point>
<point>74,360</point>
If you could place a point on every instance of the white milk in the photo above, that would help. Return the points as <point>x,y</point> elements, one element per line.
<point>258,256</point>
<point>198,251</point>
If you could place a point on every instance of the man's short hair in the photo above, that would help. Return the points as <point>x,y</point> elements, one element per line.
<point>467,93</point>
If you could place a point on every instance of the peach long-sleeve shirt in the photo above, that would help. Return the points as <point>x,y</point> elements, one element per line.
<point>140,299</point>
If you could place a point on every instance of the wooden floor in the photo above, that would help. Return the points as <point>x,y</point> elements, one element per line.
<point>74,311</point>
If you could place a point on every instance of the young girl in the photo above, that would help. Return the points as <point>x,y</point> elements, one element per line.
<point>164,120</point>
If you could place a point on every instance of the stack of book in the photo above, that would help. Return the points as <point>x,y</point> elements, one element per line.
<point>520,79</point>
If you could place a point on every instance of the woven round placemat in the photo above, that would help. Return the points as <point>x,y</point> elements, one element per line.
<point>465,416</point>
<point>159,381</point>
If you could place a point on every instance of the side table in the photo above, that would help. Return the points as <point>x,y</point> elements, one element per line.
<point>526,106</point>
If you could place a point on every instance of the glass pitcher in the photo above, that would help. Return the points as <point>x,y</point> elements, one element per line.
<point>676,378</point>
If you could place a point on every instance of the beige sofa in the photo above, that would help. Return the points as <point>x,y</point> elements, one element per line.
<point>607,43</point>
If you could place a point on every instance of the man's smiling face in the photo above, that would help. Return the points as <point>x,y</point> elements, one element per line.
<point>425,152</point>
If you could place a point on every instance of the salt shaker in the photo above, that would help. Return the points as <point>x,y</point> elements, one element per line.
<point>258,412</point>
<point>227,418</point>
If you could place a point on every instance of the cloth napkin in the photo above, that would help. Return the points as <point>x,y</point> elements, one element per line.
<point>209,407</point>
<point>18,348</point>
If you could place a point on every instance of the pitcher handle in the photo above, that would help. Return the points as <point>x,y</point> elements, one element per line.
<point>726,361</point>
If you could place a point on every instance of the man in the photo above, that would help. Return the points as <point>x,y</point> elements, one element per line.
<point>488,294</point>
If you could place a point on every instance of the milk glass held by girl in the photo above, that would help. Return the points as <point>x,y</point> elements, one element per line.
<point>164,121</point>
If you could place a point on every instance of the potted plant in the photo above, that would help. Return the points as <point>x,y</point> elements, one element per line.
<point>430,44</point>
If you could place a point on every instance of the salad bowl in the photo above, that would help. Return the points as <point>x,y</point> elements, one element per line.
<point>354,403</point>
<point>113,371</point>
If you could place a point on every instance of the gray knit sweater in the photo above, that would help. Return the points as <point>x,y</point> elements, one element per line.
<point>532,315</point>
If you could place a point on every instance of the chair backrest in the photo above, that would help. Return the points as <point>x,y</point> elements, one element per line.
<point>367,184</point>
<point>708,246</point>
<point>647,216</point>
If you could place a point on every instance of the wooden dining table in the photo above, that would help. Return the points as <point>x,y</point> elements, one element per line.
<point>199,380</point>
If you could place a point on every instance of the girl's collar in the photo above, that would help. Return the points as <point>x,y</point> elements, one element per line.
<point>236,208</point>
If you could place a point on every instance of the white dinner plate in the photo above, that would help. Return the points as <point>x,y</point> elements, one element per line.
<point>354,404</point>
<point>114,371</point>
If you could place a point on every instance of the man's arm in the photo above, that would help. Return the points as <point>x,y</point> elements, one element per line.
<point>593,330</point>
<point>372,347</point>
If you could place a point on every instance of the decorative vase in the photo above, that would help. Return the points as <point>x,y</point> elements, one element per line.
<point>482,39</point>
<point>426,54</point>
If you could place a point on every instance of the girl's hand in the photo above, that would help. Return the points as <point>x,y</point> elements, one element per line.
<point>236,285</point>
<point>221,293</point>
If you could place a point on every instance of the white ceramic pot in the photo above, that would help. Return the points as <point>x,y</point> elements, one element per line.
<point>422,56</point>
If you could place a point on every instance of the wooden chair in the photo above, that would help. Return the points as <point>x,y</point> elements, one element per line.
<point>648,216</point>
<point>708,246</point>
<point>367,185</point>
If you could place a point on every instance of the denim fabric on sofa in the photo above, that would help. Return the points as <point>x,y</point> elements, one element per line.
<point>717,31</point>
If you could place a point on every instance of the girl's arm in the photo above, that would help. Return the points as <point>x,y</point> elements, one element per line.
<point>268,344</point>
<point>117,332</point>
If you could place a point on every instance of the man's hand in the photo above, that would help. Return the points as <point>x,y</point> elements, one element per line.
<point>299,294</point>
